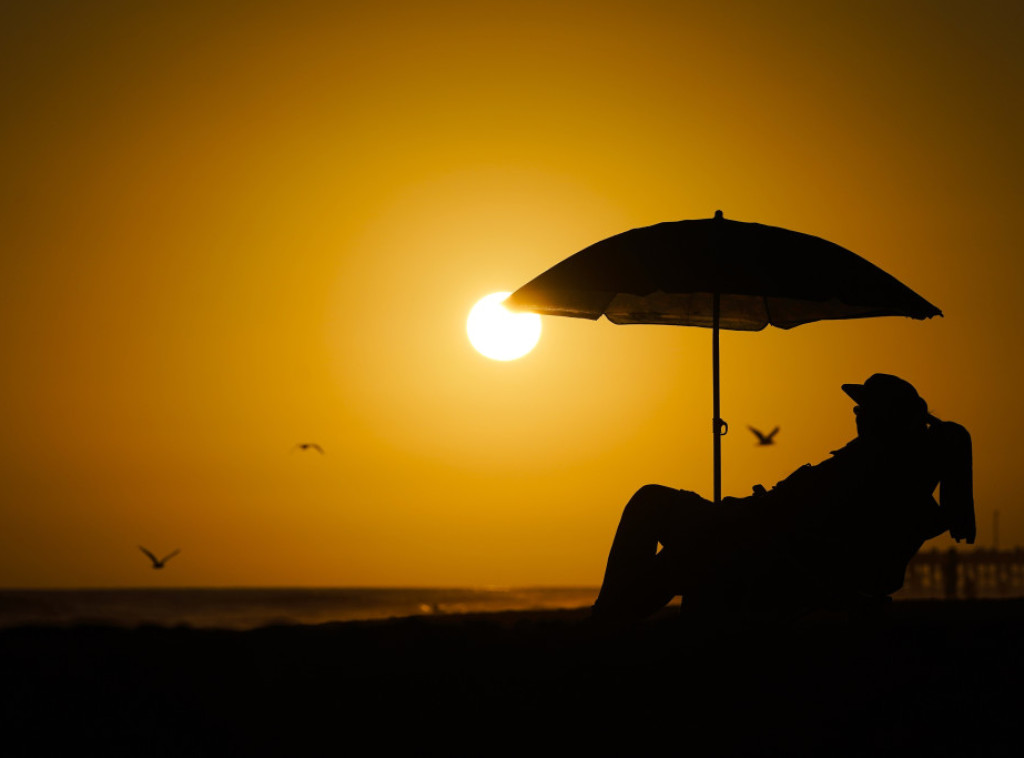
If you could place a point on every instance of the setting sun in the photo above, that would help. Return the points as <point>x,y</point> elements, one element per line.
<point>498,333</point>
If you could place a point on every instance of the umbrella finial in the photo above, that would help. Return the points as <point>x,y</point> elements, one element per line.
<point>718,215</point>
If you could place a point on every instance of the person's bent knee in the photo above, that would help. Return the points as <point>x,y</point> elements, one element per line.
<point>648,501</point>
<point>651,492</point>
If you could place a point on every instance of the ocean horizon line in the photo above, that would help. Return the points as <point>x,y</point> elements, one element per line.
<point>258,587</point>
<point>252,607</point>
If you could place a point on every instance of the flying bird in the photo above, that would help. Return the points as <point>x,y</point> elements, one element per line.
<point>158,563</point>
<point>310,446</point>
<point>764,439</point>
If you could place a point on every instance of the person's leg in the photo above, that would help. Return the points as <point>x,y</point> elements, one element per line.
<point>638,579</point>
<point>649,590</point>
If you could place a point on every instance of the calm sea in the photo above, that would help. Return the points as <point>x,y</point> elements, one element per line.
<point>252,608</point>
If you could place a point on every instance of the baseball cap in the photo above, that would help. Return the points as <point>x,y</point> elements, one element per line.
<point>887,394</point>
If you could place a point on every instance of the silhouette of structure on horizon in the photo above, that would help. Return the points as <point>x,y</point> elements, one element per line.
<point>978,574</point>
<point>764,439</point>
<point>841,532</point>
<point>158,563</point>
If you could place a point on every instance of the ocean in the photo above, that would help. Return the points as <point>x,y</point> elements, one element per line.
<point>251,608</point>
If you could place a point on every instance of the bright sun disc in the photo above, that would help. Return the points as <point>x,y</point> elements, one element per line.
<point>499,333</point>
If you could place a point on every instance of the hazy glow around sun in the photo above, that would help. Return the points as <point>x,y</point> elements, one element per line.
<point>499,333</point>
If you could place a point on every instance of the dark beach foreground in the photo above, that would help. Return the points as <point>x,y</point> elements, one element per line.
<point>926,678</point>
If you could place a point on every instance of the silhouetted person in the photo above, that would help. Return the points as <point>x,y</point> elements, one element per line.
<point>844,528</point>
<point>158,563</point>
<point>764,439</point>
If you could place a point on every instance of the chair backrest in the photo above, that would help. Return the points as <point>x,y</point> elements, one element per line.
<point>956,485</point>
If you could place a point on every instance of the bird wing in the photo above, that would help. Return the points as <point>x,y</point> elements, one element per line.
<point>772,432</point>
<point>317,448</point>
<point>170,555</point>
<point>149,554</point>
<point>758,434</point>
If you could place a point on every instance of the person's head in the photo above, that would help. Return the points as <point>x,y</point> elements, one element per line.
<point>887,404</point>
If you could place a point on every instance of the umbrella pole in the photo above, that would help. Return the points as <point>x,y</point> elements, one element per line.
<point>718,427</point>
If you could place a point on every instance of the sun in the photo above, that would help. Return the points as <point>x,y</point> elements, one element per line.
<point>497,332</point>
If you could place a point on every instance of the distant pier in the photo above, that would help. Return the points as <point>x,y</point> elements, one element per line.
<point>954,574</point>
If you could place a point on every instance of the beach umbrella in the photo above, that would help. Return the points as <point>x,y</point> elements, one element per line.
<point>721,274</point>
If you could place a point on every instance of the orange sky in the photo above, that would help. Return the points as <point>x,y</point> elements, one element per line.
<point>231,227</point>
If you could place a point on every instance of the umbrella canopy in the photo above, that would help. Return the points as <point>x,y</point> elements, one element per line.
<point>717,273</point>
<point>669,273</point>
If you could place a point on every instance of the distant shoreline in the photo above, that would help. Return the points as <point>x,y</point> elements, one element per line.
<point>250,608</point>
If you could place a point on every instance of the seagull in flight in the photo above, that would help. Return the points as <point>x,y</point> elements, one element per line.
<point>310,446</point>
<point>764,439</point>
<point>158,563</point>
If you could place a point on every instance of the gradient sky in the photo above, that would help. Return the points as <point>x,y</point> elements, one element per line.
<point>231,227</point>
